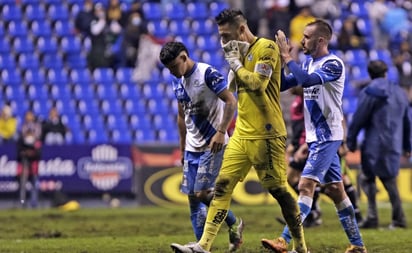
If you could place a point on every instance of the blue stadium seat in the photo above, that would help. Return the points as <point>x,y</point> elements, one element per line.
<point>152,11</point>
<point>57,12</point>
<point>35,77</point>
<point>357,57</point>
<point>158,27</point>
<point>7,61</point>
<point>70,45</point>
<point>63,28</point>
<point>47,45</point>
<point>103,75</point>
<point>197,10</point>
<point>209,43</point>
<point>120,136</point>
<point>4,46</point>
<point>51,61</point>
<point>175,11</point>
<point>23,45</point>
<point>11,77</point>
<point>124,75</point>
<point>142,136</point>
<point>179,27</point>
<point>11,13</point>
<point>28,61</point>
<point>76,61</point>
<point>34,12</point>
<point>80,76</point>
<point>57,76</point>
<point>17,29</point>
<point>203,27</point>
<point>40,28</point>
<point>216,7</point>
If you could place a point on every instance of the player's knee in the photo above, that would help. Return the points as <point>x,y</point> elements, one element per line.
<point>278,193</point>
<point>222,187</point>
<point>333,191</point>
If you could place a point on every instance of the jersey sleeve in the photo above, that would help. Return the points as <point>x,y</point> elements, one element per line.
<point>331,70</point>
<point>215,80</point>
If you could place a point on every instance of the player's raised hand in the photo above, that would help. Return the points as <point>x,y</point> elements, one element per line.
<point>284,46</point>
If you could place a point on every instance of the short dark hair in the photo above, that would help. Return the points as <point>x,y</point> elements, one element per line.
<point>377,68</point>
<point>171,50</point>
<point>323,27</point>
<point>230,16</point>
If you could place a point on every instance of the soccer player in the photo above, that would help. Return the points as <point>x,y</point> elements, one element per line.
<point>259,138</point>
<point>322,76</point>
<point>205,110</point>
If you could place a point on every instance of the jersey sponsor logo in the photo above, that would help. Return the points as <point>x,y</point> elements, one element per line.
<point>311,93</point>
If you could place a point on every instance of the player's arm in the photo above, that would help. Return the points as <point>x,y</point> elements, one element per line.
<point>331,70</point>
<point>182,128</point>
<point>217,83</point>
<point>259,78</point>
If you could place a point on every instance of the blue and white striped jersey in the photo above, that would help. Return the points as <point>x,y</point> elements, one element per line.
<point>197,92</point>
<point>323,102</point>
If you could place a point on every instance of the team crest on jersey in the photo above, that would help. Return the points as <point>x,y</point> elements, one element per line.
<point>249,57</point>
<point>263,69</point>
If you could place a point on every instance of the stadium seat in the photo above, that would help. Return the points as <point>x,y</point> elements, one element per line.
<point>216,7</point>
<point>152,11</point>
<point>76,61</point>
<point>70,45</point>
<point>175,11</point>
<point>28,61</point>
<point>47,45</point>
<point>57,76</point>
<point>40,28</point>
<point>357,57</point>
<point>11,77</point>
<point>159,28</point>
<point>120,136</point>
<point>34,12</point>
<point>35,77</point>
<point>203,27</point>
<point>209,43</point>
<point>51,61</point>
<point>80,76</point>
<point>179,27</point>
<point>7,61</point>
<point>124,75</point>
<point>197,10</point>
<point>57,12</point>
<point>22,45</point>
<point>11,12</point>
<point>103,75</point>
<point>4,47</point>
<point>63,28</point>
<point>17,29</point>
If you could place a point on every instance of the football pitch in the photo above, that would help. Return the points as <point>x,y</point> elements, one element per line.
<point>152,229</point>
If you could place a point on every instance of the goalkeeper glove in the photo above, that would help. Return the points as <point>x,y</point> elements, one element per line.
<point>233,58</point>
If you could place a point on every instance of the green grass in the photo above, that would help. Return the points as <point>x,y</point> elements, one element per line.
<point>152,229</point>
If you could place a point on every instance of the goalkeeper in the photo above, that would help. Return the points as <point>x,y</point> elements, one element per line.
<point>259,138</point>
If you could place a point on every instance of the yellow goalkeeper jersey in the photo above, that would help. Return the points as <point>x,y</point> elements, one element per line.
<point>258,87</point>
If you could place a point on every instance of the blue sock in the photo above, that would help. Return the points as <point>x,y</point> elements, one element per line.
<point>305,205</point>
<point>230,218</point>
<point>198,213</point>
<point>347,218</point>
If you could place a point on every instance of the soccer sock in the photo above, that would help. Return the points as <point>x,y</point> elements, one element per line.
<point>230,218</point>
<point>346,215</point>
<point>305,204</point>
<point>216,214</point>
<point>198,212</point>
<point>351,192</point>
<point>316,194</point>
